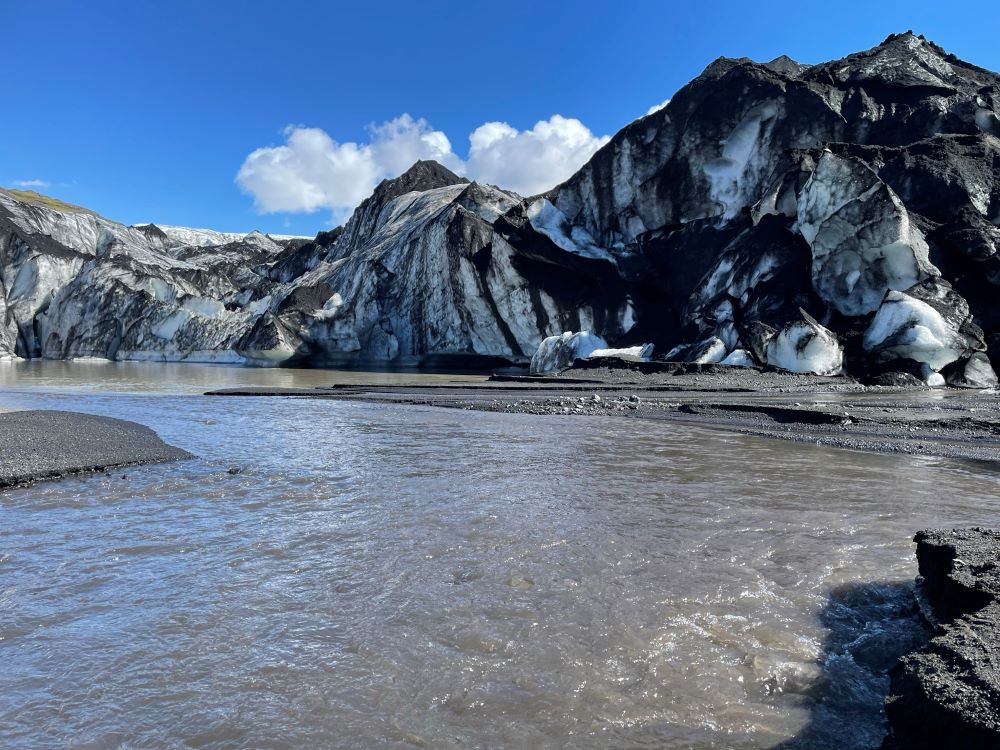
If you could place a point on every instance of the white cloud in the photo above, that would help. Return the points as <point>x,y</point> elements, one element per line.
<point>657,107</point>
<point>530,161</point>
<point>311,171</point>
<point>396,144</point>
<point>33,184</point>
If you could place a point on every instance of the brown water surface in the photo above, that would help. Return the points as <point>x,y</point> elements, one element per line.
<point>384,576</point>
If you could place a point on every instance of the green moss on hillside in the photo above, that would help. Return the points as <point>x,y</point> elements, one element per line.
<point>30,196</point>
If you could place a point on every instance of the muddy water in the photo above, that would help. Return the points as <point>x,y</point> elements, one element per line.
<point>382,576</point>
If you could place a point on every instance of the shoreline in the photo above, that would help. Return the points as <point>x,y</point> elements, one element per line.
<point>828,411</point>
<point>39,445</point>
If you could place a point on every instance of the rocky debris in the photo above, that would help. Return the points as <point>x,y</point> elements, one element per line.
<point>37,445</point>
<point>947,694</point>
<point>830,411</point>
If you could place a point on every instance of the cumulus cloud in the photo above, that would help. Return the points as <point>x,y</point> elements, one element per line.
<point>530,161</point>
<point>657,107</point>
<point>32,184</point>
<point>311,171</point>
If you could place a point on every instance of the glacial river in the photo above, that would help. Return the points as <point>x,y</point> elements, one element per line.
<point>401,577</point>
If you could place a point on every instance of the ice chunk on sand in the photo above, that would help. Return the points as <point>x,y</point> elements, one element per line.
<point>558,352</point>
<point>806,346</point>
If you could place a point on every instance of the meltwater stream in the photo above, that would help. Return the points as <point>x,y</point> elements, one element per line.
<point>386,576</point>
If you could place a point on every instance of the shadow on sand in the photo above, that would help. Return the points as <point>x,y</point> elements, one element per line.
<point>869,626</point>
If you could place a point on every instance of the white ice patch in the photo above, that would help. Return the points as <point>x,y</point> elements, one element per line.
<point>167,328</point>
<point>330,308</point>
<point>204,306</point>
<point>550,221</point>
<point>705,352</point>
<point>905,327</point>
<point>558,352</point>
<point>987,121</point>
<point>259,307</point>
<point>727,172</point>
<point>863,242</point>
<point>738,358</point>
<point>806,347</point>
<point>935,380</point>
<point>643,352</point>
<point>161,290</point>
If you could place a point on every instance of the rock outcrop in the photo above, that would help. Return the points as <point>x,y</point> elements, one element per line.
<point>947,694</point>
<point>835,217</point>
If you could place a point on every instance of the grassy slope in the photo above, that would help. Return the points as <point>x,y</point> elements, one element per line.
<point>30,196</point>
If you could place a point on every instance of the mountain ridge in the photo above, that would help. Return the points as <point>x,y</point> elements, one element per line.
<point>779,214</point>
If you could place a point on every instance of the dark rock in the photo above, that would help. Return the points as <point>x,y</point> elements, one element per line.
<point>894,380</point>
<point>974,371</point>
<point>756,336</point>
<point>947,694</point>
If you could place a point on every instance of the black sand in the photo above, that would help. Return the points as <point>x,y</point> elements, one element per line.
<point>49,444</point>
<point>837,412</point>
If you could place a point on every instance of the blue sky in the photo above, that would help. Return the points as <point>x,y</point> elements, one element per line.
<point>149,111</point>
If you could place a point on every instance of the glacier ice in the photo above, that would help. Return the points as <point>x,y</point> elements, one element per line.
<point>738,358</point>
<point>642,351</point>
<point>550,221</point>
<point>742,150</point>
<point>556,353</point>
<point>704,352</point>
<point>761,188</point>
<point>863,242</point>
<point>929,323</point>
<point>805,346</point>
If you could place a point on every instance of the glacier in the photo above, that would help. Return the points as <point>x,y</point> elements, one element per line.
<point>839,217</point>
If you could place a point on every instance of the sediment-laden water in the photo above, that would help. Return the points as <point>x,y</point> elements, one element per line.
<point>383,576</point>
